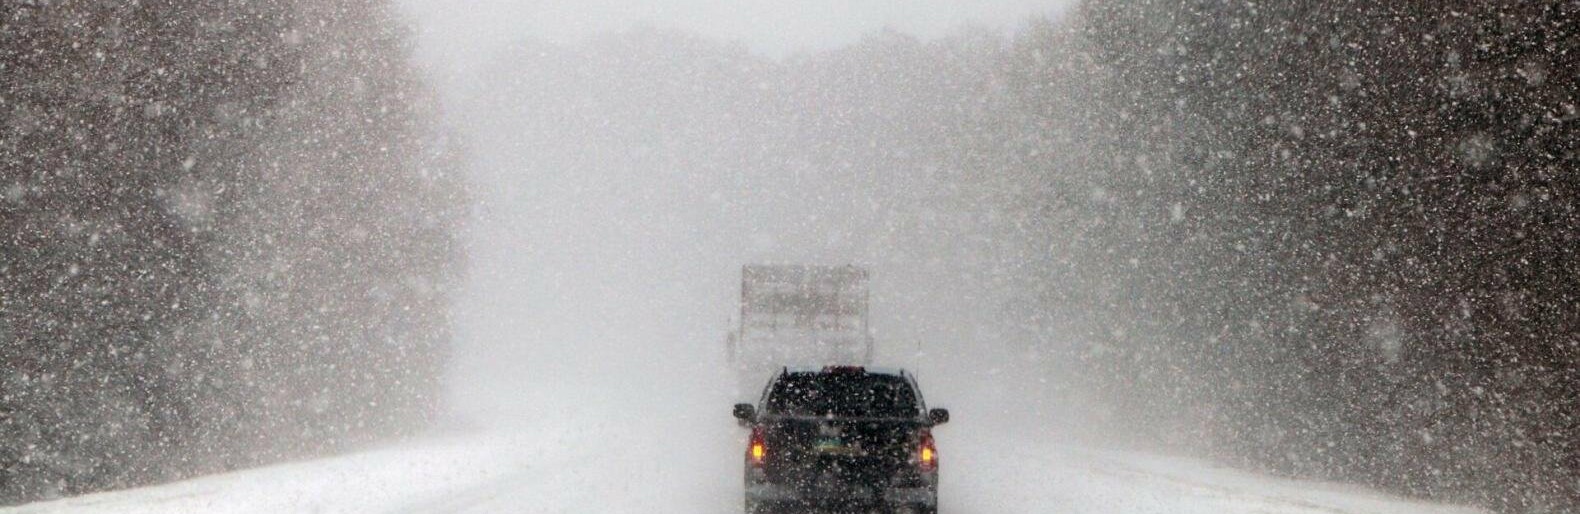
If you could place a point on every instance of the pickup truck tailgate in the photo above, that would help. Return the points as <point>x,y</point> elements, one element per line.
<point>834,454</point>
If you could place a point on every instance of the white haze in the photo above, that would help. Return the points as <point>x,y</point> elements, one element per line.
<point>603,277</point>
<point>599,289</point>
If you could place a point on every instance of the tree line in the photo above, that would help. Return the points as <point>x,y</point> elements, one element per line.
<point>1329,239</point>
<point>228,236</point>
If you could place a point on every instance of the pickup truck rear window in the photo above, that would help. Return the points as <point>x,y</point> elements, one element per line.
<point>843,395</point>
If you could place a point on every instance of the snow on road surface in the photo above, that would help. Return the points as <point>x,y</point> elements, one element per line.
<point>619,467</point>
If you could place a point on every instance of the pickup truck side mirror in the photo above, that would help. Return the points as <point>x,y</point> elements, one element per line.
<point>938,416</point>
<point>745,412</point>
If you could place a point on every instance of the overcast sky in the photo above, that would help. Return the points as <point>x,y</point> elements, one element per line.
<point>453,31</point>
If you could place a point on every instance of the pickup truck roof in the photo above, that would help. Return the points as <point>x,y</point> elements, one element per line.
<point>870,370</point>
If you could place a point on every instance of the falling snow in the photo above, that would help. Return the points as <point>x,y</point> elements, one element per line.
<point>1156,255</point>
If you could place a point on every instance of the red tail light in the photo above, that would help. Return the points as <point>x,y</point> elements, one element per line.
<point>757,450</point>
<point>927,455</point>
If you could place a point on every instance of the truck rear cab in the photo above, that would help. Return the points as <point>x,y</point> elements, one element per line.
<point>800,314</point>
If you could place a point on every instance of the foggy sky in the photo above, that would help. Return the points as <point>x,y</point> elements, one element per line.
<point>459,32</point>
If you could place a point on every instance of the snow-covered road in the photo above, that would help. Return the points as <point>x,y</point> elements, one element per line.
<point>670,467</point>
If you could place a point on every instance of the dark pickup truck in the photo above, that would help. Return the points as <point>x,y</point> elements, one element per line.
<point>841,438</point>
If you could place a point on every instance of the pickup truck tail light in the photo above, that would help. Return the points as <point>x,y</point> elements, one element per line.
<point>757,450</point>
<point>927,455</point>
